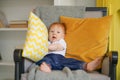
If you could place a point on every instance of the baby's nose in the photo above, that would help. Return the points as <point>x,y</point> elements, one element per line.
<point>54,33</point>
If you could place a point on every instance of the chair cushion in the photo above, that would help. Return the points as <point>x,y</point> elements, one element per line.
<point>36,44</point>
<point>97,76</point>
<point>87,38</point>
<point>105,64</point>
<point>93,76</point>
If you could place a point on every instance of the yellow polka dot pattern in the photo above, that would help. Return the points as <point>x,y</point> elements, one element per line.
<point>36,44</point>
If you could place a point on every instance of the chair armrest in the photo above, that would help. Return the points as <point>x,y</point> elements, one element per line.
<point>19,63</point>
<point>113,57</point>
<point>17,55</point>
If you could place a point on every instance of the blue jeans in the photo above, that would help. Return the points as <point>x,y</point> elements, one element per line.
<point>58,62</point>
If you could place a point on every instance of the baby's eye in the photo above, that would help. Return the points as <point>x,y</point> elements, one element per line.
<point>51,31</point>
<point>58,32</point>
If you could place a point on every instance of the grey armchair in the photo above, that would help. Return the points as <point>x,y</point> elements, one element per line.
<point>111,57</point>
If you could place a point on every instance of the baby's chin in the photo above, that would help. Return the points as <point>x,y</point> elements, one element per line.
<point>53,40</point>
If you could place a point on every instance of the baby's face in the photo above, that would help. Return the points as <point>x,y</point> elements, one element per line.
<point>56,33</point>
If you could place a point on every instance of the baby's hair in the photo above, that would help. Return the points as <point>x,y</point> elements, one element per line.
<point>60,25</point>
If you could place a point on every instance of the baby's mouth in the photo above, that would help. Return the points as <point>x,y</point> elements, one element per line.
<point>54,37</point>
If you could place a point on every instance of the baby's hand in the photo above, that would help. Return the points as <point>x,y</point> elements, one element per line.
<point>55,47</point>
<point>52,47</point>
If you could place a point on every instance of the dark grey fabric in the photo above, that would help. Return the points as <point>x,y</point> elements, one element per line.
<point>50,14</point>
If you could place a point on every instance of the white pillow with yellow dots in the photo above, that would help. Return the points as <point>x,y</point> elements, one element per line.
<point>36,44</point>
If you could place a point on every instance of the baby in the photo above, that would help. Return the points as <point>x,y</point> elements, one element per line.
<point>55,59</point>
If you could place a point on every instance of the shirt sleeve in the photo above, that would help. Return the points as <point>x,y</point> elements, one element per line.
<point>63,43</point>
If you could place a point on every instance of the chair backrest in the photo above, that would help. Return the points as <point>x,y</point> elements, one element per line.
<point>95,12</point>
<point>50,14</point>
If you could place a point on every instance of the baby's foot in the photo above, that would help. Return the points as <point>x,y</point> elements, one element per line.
<point>45,67</point>
<point>93,64</point>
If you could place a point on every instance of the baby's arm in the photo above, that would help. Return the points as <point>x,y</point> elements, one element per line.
<point>55,47</point>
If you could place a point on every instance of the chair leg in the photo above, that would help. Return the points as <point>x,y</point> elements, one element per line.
<point>17,72</point>
<point>113,73</point>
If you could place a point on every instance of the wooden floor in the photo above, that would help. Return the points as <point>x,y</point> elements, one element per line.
<point>6,72</point>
